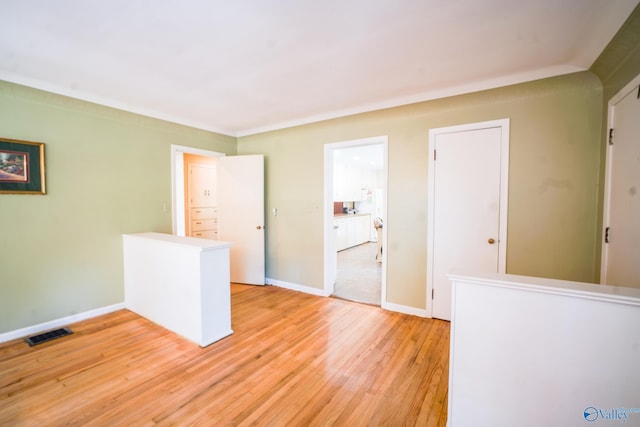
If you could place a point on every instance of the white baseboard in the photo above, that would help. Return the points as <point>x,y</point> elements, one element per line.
<point>53,324</point>
<point>296,287</point>
<point>405,309</point>
<point>420,312</point>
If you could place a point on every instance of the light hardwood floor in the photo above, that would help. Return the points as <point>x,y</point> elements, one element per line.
<point>293,360</point>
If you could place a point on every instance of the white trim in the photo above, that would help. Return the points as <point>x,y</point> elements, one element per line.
<point>624,91</point>
<point>604,253</point>
<point>422,97</point>
<point>112,103</point>
<point>177,183</point>
<point>53,324</point>
<point>405,309</point>
<point>582,290</point>
<point>328,204</point>
<point>296,287</point>
<point>429,95</point>
<point>504,125</point>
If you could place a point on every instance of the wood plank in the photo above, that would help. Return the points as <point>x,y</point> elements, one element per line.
<point>294,359</point>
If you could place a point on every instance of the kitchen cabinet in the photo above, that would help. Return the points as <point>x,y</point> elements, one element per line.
<point>347,182</point>
<point>354,182</point>
<point>353,230</point>
<point>339,182</point>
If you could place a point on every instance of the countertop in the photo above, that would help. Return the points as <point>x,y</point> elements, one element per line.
<point>193,242</point>
<point>344,215</point>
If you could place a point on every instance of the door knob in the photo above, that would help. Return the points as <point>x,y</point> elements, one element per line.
<point>491,241</point>
<point>258,227</point>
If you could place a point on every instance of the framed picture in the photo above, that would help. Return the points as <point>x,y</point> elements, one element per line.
<point>21,167</point>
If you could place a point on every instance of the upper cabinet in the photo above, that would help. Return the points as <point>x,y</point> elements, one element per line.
<point>202,185</point>
<point>339,182</point>
<point>351,182</point>
<point>355,173</point>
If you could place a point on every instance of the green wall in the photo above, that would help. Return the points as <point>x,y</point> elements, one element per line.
<point>554,163</point>
<point>108,172</point>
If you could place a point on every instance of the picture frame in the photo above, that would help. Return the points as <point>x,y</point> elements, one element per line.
<point>22,167</point>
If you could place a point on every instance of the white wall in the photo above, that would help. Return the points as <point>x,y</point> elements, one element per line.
<point>540,352</point>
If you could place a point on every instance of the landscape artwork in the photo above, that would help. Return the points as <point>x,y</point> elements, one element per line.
<point>14,166</point>
<point>21,167</point>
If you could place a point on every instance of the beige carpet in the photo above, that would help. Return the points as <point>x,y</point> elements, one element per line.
<point>359,275</point>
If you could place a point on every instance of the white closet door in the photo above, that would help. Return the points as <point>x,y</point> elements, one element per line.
<point>467,181</point>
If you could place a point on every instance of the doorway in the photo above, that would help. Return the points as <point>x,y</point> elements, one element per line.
<point>238,206</point>
<point>621,234</point>
<point>467,206</point>
<point>355,180</point>
<point>179,187</point>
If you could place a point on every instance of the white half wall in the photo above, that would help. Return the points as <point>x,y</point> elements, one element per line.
<point>535,352</point>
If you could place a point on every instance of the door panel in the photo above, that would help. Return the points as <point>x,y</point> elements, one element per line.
<point>466,209</point>
<point>241,215</point>
<point>622,254</point>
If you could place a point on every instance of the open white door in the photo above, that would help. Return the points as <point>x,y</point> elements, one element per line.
<point>241,215</point>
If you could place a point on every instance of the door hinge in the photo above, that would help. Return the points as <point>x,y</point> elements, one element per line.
<point>606,235</point>
<point>432,290</point>
<point>611,132</point>
<point>638,95</point>
<point>434,155</point>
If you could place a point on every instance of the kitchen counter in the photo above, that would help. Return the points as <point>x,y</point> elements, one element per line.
<point>344,215</point>
<point>352,229</point>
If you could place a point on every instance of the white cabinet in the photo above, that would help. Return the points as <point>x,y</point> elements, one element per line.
<point>204,223</point>
<point>339,182</point>
<point>202,185</point>
<point>354,182</point>
<point>347,182</point>
<point>341,233</point>
<point>353,230</point>
<point>362,225</point>
<point>203,215</point>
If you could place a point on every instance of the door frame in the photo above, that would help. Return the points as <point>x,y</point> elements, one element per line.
<point>328,208</point>
<point>504,125</point>
<point>604,252</point>
<point>178,220</point>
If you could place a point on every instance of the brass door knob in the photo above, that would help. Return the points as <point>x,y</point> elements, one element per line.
<point>491,241</point>
<point>258,227</point>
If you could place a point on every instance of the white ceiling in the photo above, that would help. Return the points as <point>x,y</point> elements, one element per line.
<point>246,66</point>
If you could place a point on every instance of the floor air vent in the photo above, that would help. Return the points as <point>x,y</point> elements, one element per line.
<point>48,336</point>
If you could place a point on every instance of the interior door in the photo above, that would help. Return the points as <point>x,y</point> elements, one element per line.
<point>241,215</point>
<point>465,230</point>
<point>621,248</point>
